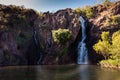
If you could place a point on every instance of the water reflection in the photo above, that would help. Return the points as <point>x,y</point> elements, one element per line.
<point>56,72</point>
<point>64,72</point>
<point>83,72</point>
<point>17,73</point>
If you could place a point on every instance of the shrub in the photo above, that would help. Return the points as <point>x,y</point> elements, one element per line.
<point>102,47</point>
<point>88,11</point>
<point>115,51</point>
<point>80,10</point>
<point>105,36</point>
<point>106,3</point>
<point>61,35</point>
<point>115,34</point>
<point>109,50</point>
<point>107,22</point>
<point>116,19</point>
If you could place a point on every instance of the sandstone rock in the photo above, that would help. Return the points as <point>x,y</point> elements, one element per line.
<point>9,54</point>
<point>65,19</point>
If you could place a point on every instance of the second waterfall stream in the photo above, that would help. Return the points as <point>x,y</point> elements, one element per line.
<point>81,49</point>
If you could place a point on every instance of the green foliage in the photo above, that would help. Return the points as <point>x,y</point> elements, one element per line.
<point>111,62</point>
<point>88,11</point>
<point>107,22</point>
<point>61,35</point>
<point>80,10</point>
<point>106,3</point>
<point>116,19</point>
<point>115,34</point>
<point>115,51</point>
<point>106,48</point>
<point>105,36</point>
<point>102,47</point>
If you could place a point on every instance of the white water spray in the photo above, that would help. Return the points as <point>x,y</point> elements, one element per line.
<point>82,50</point>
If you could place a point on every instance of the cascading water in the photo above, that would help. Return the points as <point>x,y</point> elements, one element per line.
<point>38,47</point>
<point>82,50</point>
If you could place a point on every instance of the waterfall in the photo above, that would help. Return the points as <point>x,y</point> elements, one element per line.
<point>82,50</point>
<point>37,46</point>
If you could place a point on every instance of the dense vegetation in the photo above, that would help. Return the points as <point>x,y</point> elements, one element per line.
<point>114,20</point>
<point>16,19</point>
<point>109,47</point>
<point>20,22</point>
<point>61,35</point>
<point>88,11</point>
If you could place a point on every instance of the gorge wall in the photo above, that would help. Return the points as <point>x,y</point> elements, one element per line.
<point>102,20</point>
<point>54,52</point>
<point>17,25</point>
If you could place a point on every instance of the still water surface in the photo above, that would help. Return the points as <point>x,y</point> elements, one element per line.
<point>57,72</point>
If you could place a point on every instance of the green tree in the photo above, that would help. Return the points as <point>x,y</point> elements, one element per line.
<point>116,19</point>
<point>61,35</point>
<point>106,3</point>
<point>105,36</point>
<point>102,47</point>
<point>115,50</point>
<point>111,51</point>
<point>88,11</point>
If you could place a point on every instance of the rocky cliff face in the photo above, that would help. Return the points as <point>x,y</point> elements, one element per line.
<point>16,35</point>
<point>17,25</point>
<point>103,20</point>
<point>64,19</point>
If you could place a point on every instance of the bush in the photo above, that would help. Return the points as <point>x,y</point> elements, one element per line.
<point>115,51</point>
<point>88,11</point>
<point>116,19</point>
<point>80,10</point>
<point>107,22</point>
<point>115,34</point>
<point>102,47</point>
<point>109,50</point>
<point>110,62</point>
<point>61,35</point>
<point>105,36</point>
<point>106,3</point>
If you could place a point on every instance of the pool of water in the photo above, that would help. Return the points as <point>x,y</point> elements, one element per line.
<point>58,72</point>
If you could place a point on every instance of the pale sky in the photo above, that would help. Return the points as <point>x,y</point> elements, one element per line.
<point>49,5</point>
